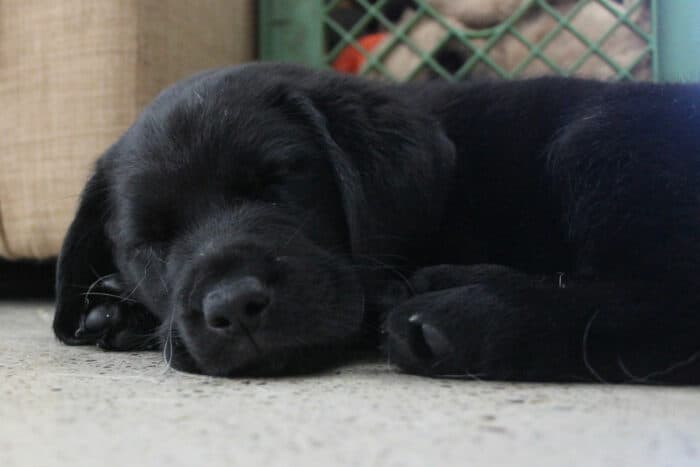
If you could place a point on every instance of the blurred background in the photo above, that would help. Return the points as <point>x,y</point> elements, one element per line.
<point>75,73</point>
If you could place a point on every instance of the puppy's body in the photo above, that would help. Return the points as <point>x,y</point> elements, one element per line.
<point>548,167</point>
<point>260,214</point>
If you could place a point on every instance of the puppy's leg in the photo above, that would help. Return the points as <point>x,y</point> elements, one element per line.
<point>113,320</point>
<point>491,322</point>
<point>92,304</point>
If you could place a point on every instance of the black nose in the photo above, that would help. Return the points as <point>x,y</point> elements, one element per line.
<point>231,304</point>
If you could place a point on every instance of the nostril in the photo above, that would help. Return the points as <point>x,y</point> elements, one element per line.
<point>235,302</point>
<point>219,322</point>
<point>256,305</point>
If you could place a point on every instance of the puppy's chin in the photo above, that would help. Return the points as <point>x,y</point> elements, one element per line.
<point>251,361</point>
<point>240,355</point>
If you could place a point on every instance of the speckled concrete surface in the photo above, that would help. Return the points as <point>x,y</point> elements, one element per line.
<point>80,406</point>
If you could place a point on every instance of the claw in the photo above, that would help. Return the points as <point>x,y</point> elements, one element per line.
<point>111,283</point>
<point>427,341</point>
<point>436,340</point>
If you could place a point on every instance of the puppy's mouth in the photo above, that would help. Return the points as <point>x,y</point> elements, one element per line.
<point>192,348</point>
<point>241,356</point>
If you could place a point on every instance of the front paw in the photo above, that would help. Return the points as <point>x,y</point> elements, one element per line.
<point>113,320</point>
<point>452,332</point>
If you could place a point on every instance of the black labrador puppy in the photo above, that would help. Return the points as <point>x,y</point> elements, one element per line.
<point>269,219</point>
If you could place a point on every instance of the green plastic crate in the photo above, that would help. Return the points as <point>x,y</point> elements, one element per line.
<point>295,30</point>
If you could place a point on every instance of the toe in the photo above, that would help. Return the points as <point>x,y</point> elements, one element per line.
<point>436,341</point>
<point>416,345</point>
<point>96,319</point>
<point>101,318</point>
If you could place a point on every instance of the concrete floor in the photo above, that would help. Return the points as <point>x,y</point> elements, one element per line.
<point>81,406</point>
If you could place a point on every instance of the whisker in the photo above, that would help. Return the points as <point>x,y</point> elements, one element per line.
<point>143,277</point>
<point>168,346</point>
<point>647,378</point>
<point>298,229</point>
<point>94,284</point>
<point>584,345</point>
<point>105,294</point>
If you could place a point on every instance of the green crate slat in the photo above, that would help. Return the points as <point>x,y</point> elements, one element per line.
<point>565,22</point>
<point>353,32</point>
<point>479,54</point>
<point>350,40</point>
<point>624,17</point>
<point>398,34</point>
<point>562,22</point>
<point>535,52</point>
<point>635,62</point>
<point>291,31</point>
<point>599,42</point>
<point>678,40</point>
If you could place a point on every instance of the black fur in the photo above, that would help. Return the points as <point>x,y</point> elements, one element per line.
<point>542,230</point>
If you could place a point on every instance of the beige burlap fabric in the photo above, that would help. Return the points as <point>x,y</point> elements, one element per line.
<point>73,75</point>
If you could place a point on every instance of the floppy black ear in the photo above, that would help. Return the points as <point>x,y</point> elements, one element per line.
<point>85,256</point>
<point>393,162</point>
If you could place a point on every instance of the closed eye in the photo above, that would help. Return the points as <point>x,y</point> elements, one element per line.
<point>285,165</point>
<point>155,227</point>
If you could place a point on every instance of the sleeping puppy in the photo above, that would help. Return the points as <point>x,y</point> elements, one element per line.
<point>270,219</point>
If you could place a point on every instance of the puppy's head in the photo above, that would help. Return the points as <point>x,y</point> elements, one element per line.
<point>248,208</point>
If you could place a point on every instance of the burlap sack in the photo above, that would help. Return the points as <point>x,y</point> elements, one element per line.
<point>73,75</point>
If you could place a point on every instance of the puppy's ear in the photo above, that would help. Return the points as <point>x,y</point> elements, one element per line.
<point>392,161</point>
<point>85,256</point>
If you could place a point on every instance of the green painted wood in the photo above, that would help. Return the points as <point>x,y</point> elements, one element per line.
<point>291,30</point>
<point>678,40</point>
